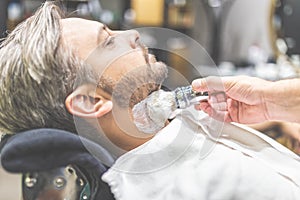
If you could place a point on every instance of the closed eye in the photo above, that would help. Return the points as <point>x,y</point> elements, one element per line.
<point>109,41</point>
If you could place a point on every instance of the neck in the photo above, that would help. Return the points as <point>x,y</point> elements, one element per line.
<point>119,130</point>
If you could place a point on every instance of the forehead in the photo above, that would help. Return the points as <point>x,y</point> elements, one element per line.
<point>82,35</point>
<point>78,22</point>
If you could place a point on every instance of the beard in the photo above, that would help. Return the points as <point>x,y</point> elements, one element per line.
<point>137,84</point>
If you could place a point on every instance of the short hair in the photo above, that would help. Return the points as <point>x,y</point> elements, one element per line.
<point>37,74</point>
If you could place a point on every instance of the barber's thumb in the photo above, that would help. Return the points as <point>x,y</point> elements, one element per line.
<point>199,85</point>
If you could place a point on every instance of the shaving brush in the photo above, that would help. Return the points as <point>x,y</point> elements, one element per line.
<point>151,114</point>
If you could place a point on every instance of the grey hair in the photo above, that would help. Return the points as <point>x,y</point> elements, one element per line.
<point>37,74</point>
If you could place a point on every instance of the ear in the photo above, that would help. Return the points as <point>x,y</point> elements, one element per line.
<point>85,102</point>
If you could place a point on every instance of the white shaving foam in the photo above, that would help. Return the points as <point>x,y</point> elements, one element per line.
<point>151,114</point>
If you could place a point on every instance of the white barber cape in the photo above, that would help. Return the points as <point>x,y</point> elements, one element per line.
<point>196,157</point>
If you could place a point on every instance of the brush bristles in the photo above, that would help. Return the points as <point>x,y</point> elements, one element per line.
<point>151,114</point>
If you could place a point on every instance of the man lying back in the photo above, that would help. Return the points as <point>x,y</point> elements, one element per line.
<point>75,74</point>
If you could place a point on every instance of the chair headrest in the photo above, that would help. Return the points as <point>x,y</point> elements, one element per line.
<point>45,149</point>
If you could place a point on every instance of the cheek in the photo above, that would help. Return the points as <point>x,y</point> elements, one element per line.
<point>115,72</point>
<point>130,62</point>
<point>124,65</point>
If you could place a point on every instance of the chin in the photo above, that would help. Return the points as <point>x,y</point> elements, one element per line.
<point>156,74</point>
<point>142,93</point>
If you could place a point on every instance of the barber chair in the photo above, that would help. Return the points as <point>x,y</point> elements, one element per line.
<point>56,165</point>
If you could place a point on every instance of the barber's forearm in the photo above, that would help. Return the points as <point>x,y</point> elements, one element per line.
<point>283,100</point>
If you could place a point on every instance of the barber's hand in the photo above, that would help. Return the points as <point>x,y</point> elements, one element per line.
<point>234,99</point>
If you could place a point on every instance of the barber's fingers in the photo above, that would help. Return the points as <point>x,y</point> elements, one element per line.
<point>220,115</point>
<point>218,100</point>
<point>217,111</point>
<point>222,106</point>
<point>211,83</point>
<point>216,104</point>
<point>199,85</point>
<point>202,106</point>
<point>217,84</point>
<point>217,97</point>
<point>233,107</point>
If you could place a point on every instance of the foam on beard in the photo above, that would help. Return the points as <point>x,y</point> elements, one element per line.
<point>151,114</point>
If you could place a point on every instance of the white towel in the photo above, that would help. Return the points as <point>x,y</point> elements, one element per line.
<point>196,157</point>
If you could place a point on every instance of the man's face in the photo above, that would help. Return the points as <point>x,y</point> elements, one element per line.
<point>118,58</point>
<point>125,73</point>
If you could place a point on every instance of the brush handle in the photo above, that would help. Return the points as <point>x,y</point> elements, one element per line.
<point>196,100</point>
<point>186,96</point>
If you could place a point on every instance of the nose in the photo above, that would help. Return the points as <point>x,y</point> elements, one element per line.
<point>132,36</point>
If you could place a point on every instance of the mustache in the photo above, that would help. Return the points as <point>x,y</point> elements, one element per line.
<point>144,49</point>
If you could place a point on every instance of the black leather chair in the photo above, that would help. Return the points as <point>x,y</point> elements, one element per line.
<point>56,165</point>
